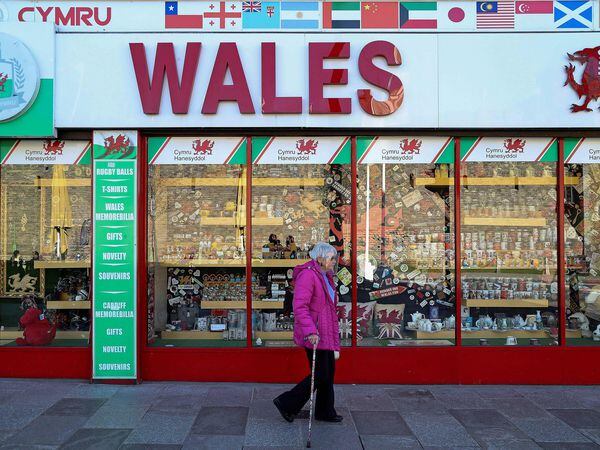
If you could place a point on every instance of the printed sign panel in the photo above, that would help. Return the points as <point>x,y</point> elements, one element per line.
<point>509,149</point>
<point>26,80</point>
<point>405,150</point>
<point>115,259</point>
<point>301,150</point>
<point>47,152</point>
<point>582,150</point>
<point>197,150</point>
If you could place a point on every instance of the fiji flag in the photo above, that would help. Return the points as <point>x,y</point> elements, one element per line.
<point>300,15</point>
<point>260,15</point>
<point>573,14</point>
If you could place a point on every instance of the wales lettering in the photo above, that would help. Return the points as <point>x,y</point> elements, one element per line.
<point>181,87</point>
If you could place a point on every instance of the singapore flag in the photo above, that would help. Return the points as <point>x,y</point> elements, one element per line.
<point>537,15</point>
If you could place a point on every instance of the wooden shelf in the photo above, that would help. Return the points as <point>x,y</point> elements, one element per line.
<point>261,304</point>
<point>508,270</point>
<point>235,182</point>
<point>85,304</point>
<point>283,335</point>
<point>494,181</point>
<point>499,303</point>
<point>257,181</point>
<point>14,333</point>
<point>225,304</point>
<point>61,264</point>
<point>278,262</point>
<point>233,221</point>
<point>443,334</point>
<point>204,263</point>
<point>192,335</point>
<point>68,182</point>
<point>506,221</point>
<point>502,334</point>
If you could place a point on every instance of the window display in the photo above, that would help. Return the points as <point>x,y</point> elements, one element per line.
<point>301,194</point>
<point>196,241</point>
<point>582,240</point>
<point>405,274</point>
<point>509,241</point>
<point>45,221</point>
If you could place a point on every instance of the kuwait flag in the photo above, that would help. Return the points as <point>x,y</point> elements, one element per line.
<point>341,14</point>
<point>379,14</point>
<point>418,14</point>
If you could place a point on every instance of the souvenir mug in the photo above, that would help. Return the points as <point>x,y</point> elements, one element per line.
<point>511,340</point>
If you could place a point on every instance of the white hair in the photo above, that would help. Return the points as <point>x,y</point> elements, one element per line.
<point>322,250</point>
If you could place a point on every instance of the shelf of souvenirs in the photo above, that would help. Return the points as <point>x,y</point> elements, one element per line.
<point>275,263</point>
<point>495,181</point>
<point>510,270</point>
<point>506,303</point>
<point>56,304</point>
<point>241,304</point>
<point>235,182</point>
<point>504,221</point>
<point>502,334</point>
<point>15,333</point>
<point>57,264</point>
<point>241,222</point>
<point>218,335</point>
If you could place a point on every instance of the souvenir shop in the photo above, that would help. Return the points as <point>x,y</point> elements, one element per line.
<point>152,225</point>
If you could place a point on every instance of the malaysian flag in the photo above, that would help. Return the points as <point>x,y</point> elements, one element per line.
<point>500,14</point>
<point>251,6</point>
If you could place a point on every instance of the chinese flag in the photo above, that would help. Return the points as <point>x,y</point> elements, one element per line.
<point>379,15</point>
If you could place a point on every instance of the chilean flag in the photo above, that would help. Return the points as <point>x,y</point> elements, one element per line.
<point>534,7</point>
<point>174,20</point>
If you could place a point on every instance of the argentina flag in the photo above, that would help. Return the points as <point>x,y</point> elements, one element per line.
<point>300,15</point>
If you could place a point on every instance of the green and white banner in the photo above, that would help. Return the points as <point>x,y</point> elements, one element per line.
<point>301,150</point>
<point>27,80</point>
<point>404,149</point>
<point>197,150</point>
<point>47,152</point>
<point>509,149</point>
<point>582,150</point>
<point>115,258</point>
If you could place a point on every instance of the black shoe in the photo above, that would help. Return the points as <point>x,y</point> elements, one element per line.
<point>336,419</point>
<point>287,416</point>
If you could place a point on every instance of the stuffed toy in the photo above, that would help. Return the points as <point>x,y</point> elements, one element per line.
<point>37,329</point>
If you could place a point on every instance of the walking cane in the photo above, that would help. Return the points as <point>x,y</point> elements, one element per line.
<point>312,393</point>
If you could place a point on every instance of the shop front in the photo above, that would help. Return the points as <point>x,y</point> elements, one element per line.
<point>155,208</point>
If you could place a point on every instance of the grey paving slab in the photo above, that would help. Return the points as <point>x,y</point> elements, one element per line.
<point>117,415</point>
<point>556,400</point>
<point>380,423</point>
<point>578,418</point>
<point>492,392</point>
<point>463,400</point>
<point>93,391</point>
<point>568,446</point>
<point>16,416</point>
<point>96,439</point>
<point>370,442</point>
<point>510,444</point>
<point>158,427</point>
<point>486,434</point>
<point>229,396</point>
<point>443,431</point>
<point>221,420</point>
<point>550,430</point>
<point>369,402</point>
<point>261,432</point>
<point>28,447</point>
<point>48,430</point>
<point>332,436</point>
<point>199,442</point>
<point>407,393</point>
<point>592,433</point>
<point>75,407</point>
<point>269,391</point>
<point>519,408</point>
<point>264,409</point>
<point>179,402</point>
<point>482,418</point>
<point>425,405</point>
<point>150,447</point>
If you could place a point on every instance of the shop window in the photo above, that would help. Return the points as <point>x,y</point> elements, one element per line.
<point>301,194</point>
<point>196,241</point>
<point>582,241</point>
<point>509,241</point>
<point>45,218</point>
<point>405,245</point>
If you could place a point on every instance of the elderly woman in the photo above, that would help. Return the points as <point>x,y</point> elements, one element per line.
<point>315,323</point>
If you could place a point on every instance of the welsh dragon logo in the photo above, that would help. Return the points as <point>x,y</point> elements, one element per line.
<point>514,145</point>
<point>411,147</point>
<point>307,147</point>
<point>53,147</point>
<point>589,87</point>
<point>113,145</point>
<point>203,146</point>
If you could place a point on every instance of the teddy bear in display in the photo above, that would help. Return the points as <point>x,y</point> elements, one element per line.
<point>37,329</point>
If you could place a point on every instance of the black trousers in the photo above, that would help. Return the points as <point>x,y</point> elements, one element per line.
<point>294,399</point>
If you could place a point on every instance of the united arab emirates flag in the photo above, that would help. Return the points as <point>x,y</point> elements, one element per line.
<point>341,14</point>
<point>418,15</point>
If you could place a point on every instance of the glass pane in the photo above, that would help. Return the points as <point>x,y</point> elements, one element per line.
<point>509,246</point>
<point>300,196</point>
<point>405,241</point>
<point>582,241</point>
<point>45,218</point>
<point>196,242</point>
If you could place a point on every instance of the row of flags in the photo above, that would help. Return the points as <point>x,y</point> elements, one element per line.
<point>525,15</point>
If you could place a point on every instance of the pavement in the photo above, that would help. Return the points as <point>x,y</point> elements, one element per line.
<point>51,414</point>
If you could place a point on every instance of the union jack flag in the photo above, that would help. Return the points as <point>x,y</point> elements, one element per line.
<point>251,6</point>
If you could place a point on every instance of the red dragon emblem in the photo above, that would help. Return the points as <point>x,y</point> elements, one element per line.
<point>514,146</point>
<point>118,145</point>
<point>412,147</point>
<point>3,78</point>
<point>589,88</point>
<point>307,147</point>
<point>53,147</point>
<point>203,147</point>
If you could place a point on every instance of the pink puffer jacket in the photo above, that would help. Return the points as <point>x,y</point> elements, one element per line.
<point>314,312</point>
